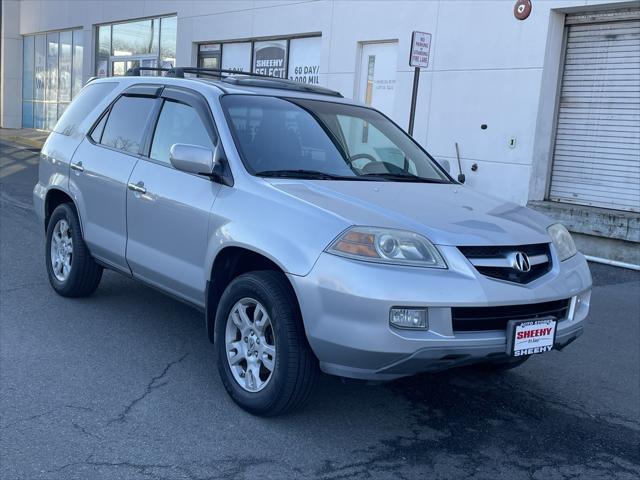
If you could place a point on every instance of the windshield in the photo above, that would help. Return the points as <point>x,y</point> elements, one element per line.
<point>301,138</point>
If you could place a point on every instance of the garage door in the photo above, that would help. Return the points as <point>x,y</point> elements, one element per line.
<point>596,158</point>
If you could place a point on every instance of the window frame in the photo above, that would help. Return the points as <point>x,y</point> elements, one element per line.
<point>191,99</point>
<point>162,92</point>
<point>150,91</point>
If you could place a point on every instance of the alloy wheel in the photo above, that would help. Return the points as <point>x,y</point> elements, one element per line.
<point>250,345</point>
<point>61,250</point>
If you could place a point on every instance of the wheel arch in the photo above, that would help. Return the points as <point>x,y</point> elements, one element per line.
<point>229,263</point>
<point>53,199</point>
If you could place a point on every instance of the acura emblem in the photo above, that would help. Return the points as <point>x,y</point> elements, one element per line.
<point>520,262</point>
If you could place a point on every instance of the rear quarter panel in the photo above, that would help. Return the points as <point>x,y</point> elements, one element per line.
<point>53,168</point>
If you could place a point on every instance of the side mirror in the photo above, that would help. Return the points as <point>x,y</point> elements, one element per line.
<point>194,158</point>
<point>461,177</point>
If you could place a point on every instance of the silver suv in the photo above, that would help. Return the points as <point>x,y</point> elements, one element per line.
<point>312,231</point>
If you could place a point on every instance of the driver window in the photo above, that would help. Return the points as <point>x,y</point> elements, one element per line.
<point>368,144</point>
<point>178,123</point>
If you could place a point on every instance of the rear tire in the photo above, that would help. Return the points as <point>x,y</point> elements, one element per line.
<point>259,325</point>
<point>71,269</point>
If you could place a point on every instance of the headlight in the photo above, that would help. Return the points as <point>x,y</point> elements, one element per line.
<point>562,241</point>
<point>385,245</point>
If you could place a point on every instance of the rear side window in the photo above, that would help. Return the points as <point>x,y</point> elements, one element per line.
<point>89,97</point>
<point>127,123</point>
<point>178,123</point>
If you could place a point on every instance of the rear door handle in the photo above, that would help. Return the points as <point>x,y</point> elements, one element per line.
<point>77,167</point>
<point>137,187</point>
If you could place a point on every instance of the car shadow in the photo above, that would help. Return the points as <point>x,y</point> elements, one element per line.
<point>464,418</point>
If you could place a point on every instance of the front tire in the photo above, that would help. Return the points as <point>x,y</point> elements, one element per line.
<point>264,359</point>
<point>71,269</point>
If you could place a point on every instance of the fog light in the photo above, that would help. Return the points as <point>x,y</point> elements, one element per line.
<point>409,318</point>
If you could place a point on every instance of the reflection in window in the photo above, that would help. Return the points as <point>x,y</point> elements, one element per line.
<point>64,79</point>
<point>78,52</point>
<point>88,99</point>
<point>52,76</point>
<point>127,123</point>
<point>40,60</point>
<point>133,38</point>
<point>178,123</point>
<point>142,43</point>
<point>51,85</point>
<point>27,81</point>
<point>168,41</point>
<point>104,51</point>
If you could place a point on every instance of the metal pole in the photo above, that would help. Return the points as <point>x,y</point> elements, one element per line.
<point>414,99</point>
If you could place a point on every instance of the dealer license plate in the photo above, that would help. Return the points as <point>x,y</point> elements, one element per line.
<point>527,337</point>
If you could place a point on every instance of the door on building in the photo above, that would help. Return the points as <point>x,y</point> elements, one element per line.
<point>377,80</point>
<point>209,55</point>
<point>596,158</point>
<point>118,66</point>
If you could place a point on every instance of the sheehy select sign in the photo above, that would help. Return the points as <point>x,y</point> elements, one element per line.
<point>420,49</point>
<point>418,58</point>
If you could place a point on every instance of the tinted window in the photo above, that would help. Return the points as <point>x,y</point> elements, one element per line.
<point>178,123</point>
<point>127,123</point>
<point>275,134</point>
<point>86,101</point>
<point>282,137</point>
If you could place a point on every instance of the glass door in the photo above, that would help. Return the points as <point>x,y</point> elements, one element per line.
<point>118,66</point>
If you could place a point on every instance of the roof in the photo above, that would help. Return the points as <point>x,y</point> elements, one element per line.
<point>238,82</point>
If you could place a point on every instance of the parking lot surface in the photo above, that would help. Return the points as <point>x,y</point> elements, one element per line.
<point>123,385</point>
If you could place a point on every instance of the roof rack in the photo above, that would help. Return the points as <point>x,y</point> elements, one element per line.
<point>238,78</point>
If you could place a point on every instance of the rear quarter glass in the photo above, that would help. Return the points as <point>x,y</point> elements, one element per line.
<point>90,96</point>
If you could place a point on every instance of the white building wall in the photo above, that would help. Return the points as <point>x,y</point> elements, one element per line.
<point>486,66</point>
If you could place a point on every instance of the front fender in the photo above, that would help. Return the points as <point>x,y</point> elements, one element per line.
<point>290,233</point>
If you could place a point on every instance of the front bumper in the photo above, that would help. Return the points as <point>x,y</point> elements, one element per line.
<point>345,305</point>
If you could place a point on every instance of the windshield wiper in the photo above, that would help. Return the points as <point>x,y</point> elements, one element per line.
<point>403,178</point>
<point>306,174</point>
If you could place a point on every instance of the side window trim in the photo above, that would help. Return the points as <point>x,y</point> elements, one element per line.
<point>150,131</point>
<point>129,92</point>
<point>196,101</point>
<point>103,116</point>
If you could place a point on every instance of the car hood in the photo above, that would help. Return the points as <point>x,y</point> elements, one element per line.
<point>448,214</point>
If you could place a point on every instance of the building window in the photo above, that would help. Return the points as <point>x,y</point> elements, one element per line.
<point>140,43</point>
<point>270,58</point>
<point>293,58</point>
<point>51,76</point>
<point>209,55</point>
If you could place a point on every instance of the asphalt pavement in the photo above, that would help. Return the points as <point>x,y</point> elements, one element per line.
<point>123,385</point>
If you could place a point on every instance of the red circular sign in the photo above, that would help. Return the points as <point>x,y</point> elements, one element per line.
<point>522,9</point>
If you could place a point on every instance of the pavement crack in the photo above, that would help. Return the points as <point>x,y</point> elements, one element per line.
<point>84,431</point>
<point>43,414</point>
<point>28,419</point>
<point>151,386</point>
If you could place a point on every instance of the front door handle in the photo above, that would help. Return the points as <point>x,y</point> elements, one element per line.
<point>137,187</point>
<point>77,167</point>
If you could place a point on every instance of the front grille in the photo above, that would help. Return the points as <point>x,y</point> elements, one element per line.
<point>473,319</point>
<point>492,261</point>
